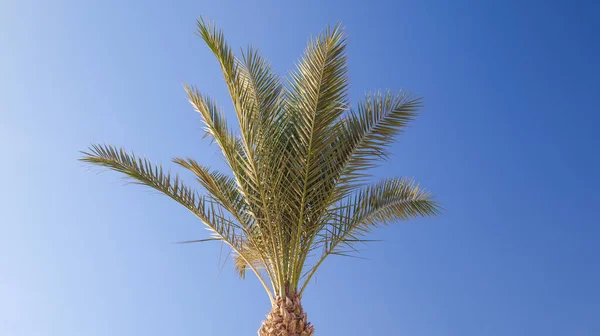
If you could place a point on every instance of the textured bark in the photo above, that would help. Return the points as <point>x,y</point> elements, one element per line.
<point>287,318</point>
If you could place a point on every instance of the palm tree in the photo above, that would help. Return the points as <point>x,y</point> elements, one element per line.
<point>299,191</point>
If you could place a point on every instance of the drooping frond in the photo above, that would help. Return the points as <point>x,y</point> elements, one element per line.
<point>224,190</point>
<point>380,204</point>
<point>142,171</point>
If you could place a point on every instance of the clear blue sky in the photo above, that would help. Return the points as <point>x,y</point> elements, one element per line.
<point>508,140</point>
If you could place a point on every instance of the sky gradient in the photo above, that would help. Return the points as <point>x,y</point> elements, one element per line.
<point>508,141</point>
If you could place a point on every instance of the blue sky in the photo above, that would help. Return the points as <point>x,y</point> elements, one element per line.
<point>508,140</point>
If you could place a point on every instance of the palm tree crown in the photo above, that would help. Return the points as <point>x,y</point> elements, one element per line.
<point>298,191</point>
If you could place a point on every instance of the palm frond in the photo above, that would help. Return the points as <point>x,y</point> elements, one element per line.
<point>143,172</point>
<point>197,241</point>
<point>264,88</point>
<point>223,189</point>
<point>239,83</point>
<point>231,147</point>
<point>316,98</point>
<point>385,202</point>
<point>372,127</point>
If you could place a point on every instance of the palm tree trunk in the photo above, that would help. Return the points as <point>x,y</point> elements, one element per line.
<point>287,318</point>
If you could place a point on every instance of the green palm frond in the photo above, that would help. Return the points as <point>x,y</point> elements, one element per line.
<point>265,90</point>
<point>224,190</point>
<point>365,134</point>
<point>230,66</point>
<point>316,98</point>
<point>231,147</point>
<point>357,214</point>
<point>374,125</point>
<point>142,171</point>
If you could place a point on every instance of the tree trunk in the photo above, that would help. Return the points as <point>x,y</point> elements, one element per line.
<point>287,318</point>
